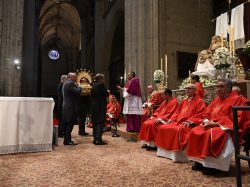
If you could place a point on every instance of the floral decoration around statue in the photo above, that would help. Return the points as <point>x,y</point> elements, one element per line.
<point>159,78</point>
<point>158,75</point>
<point>221,58</point>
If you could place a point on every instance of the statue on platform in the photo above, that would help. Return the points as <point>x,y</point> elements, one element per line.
<point>204,64</point>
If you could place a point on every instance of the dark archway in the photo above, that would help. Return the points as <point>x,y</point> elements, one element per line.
<point>53,24</point>
<point>116,67</point>
<point>60,30</point>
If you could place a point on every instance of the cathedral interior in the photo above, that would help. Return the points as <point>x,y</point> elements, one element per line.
<point>41,40</point>
<point>108,36</point>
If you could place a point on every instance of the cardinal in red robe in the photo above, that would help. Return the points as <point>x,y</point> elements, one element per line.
<point>211,138</point>
<point>150,127</point>
<point>113,110</point>
<point>154,100</point>
<point>174,135</point>
<point>236,90</point>
<point>195,79</point>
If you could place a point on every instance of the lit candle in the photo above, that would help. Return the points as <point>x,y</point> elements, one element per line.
<point>161,63</point>
<point>166,64</point>
<point>189,73</point>
<point>232,40</point>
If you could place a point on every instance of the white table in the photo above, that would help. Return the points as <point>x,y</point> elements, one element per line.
<point>26,124</point>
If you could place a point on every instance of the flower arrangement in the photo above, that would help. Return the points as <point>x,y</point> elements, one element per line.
<point>221,58</point>
<point>245,51</point>
<point>244,55</point>
<point>158,75</point>
<point>247,45</point>
<point>225,43</point>
<point>206,81</point>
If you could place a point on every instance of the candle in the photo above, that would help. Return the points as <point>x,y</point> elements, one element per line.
<point>166,64</point>
<point>232,39</point>
<point>161,63</point>
<point>189,73</point>
<point>221,39</point>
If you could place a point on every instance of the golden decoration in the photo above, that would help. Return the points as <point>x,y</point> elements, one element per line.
<point>84,79</point>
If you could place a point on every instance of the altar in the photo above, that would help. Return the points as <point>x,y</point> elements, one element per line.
<point>26,124</point>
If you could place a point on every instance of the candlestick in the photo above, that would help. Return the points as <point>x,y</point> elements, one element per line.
<point>161,63</point>
<point>232,39</point>
<point>166,64</point>
<point>222,40</point>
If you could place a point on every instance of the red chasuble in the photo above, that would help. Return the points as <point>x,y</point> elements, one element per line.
<point>154,99</point>
<point>174,136</point>
<point>165,111</point>
<point>199,90</point>
<point>210,142</point>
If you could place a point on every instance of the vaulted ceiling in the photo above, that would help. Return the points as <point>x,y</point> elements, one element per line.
<point>60,22</point>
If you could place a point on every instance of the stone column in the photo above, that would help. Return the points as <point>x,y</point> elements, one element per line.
<point>31,68</point>
<point>11,27</point>
<point>99,37</point>
<point>141,39</point>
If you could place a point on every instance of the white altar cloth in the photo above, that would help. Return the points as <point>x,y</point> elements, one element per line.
<point>26,124</point>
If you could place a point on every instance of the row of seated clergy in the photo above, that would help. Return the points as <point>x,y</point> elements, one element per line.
<point>188,111</point>
<point>154,100</point>
<point>201,134</point>
<point>113,110</point>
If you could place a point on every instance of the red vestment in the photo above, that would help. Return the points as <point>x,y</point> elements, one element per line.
<point>244,99</point>
<point>153,100</point>
<point>199,90</point>
<point>210,142</point>
<point>149,130</point>
<point>174,136</point>
<point>113,111</point>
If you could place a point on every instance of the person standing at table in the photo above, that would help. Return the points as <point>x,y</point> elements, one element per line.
<point>60,102</point>
<point>99,96</point>
<point>70,94</point>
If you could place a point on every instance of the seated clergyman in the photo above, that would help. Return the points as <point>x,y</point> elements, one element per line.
<point>172,137</point>
<point>210,144</point>
<point>153,101</point>
<point>150,127</point>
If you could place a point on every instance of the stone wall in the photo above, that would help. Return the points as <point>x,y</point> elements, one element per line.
<point>11,29</point>
<point>154,28</point>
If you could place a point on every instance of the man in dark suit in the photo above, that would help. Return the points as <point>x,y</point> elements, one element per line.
<point>70,93</point>
<point>99,96</point>
<point>59,105</point>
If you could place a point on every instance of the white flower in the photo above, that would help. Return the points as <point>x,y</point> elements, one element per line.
<point>247,45</point>
<point>158,75</point>
<point>221,58</point>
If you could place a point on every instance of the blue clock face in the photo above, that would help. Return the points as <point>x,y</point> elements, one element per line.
<point>53,54</point>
